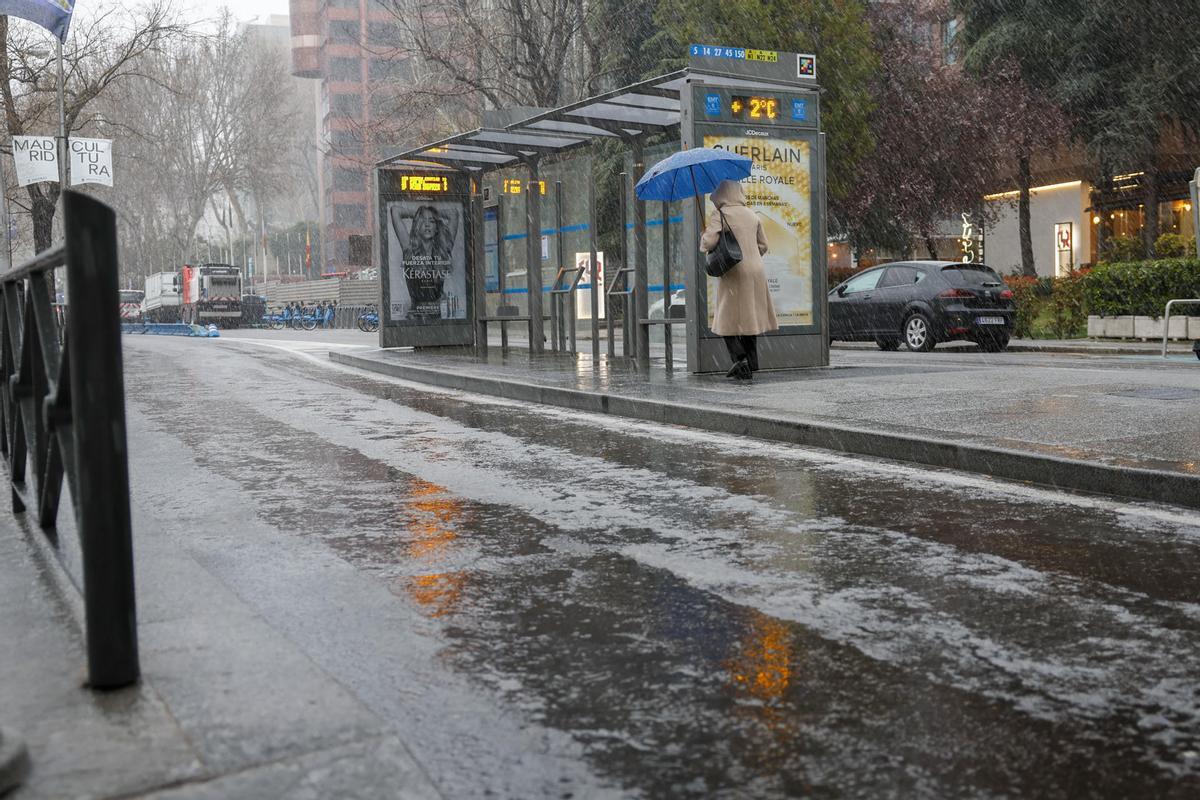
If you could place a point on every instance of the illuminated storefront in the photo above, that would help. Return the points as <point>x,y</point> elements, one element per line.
<point>1118,210</point>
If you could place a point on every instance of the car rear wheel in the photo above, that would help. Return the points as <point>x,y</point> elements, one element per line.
<point>888,345</point>
<point>918,334</point>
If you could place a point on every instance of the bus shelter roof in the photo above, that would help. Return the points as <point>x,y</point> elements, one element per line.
<point>651,106</point>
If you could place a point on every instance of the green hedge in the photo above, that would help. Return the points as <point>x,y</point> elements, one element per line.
<point>1141,287</point>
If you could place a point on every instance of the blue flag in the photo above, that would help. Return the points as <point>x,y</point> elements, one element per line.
<point>53,15</point>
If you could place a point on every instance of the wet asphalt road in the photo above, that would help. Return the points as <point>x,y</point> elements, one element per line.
<point>596,607</point>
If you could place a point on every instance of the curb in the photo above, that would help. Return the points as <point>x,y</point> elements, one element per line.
<point>1024,347</point>
<point>14,761</point>
<point>1052,471</point>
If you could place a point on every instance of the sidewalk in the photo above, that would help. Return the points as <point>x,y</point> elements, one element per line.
<point>227,706</point>
<point>1119,427</point>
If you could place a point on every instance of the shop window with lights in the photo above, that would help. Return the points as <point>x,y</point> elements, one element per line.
<point>1174,216</point>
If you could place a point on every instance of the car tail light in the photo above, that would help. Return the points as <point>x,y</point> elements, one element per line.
<point>1006,294</point>
<point>956,293</point>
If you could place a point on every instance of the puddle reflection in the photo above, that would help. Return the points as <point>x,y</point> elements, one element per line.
<point>432,517</point>
<point>762,665</point>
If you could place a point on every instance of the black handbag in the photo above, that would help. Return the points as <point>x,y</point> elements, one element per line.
<point>727,253</point>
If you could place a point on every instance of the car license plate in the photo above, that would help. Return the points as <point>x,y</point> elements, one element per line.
<point>989,320</point>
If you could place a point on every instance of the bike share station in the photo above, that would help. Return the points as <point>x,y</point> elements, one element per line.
<point>443,230</point>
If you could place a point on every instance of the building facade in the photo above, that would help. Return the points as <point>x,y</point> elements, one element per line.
<point>1073,221</point>
<point>344,45</point>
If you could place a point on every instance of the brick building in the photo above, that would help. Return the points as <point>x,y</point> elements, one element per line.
<point>343,45</point>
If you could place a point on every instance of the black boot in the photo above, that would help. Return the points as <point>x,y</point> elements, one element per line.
<point>740,370</point>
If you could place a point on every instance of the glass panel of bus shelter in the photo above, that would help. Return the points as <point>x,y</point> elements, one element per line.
<point>512,298</point>
<point>575,175</point>
<point>654,233</point>
<point>491,252</point>
<point>511,186</point>
<point>652,156</point>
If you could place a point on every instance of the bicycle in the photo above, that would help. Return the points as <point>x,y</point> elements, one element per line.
<point>306,322</point>
<point>368,321</point>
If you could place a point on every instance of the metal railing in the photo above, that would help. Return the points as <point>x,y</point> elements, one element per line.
<point>62,416</point>
<point>1167,320</point>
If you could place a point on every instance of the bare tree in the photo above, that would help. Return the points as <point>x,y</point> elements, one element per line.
<point>105,50</point>
<point>211,116</point>
<point>511,52</point>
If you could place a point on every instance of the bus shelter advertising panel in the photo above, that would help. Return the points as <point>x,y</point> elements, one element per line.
<point>778,129</point>
<point>779,189</point>
<point>425,244</point>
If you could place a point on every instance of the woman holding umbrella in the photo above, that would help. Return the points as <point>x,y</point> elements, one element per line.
<point>744,309</point>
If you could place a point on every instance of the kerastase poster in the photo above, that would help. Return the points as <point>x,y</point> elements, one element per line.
<point>427,263</point>
<point>779,190</point>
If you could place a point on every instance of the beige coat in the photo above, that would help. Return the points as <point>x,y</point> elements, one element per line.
<point>744,307</point>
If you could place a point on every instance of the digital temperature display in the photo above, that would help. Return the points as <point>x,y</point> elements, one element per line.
<point>424,183</point>
<point>754,107</point>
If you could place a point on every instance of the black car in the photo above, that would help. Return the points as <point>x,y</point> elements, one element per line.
<point>922,303</point>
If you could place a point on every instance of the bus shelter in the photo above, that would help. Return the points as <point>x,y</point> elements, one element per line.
<point>759,103</point>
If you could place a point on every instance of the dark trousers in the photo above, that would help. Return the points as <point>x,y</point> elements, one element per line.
<point>743,347</point>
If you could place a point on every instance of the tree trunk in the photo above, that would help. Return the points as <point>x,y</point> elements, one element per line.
<point>1024,182</point>
<point>43,203</point>
<point>1104,229</point>
<point>931,246</point>
<point>239,215</point>
<point>1150,216</point>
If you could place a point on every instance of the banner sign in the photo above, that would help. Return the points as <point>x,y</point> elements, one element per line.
<point>1064,248</point>
<point>36,159</point>
<point>91,161</point>
<point>1062,236</point>
<point>53,15</point>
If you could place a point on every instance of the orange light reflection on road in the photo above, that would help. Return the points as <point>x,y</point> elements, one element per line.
<point>432,517</point>
<point>762,664</point>
<point>437,593</point>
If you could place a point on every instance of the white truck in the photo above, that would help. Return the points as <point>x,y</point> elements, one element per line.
<point>164,296</point>
<point>212,293</point>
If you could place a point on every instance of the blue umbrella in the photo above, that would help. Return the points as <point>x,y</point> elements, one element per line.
<point>691,173</point>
